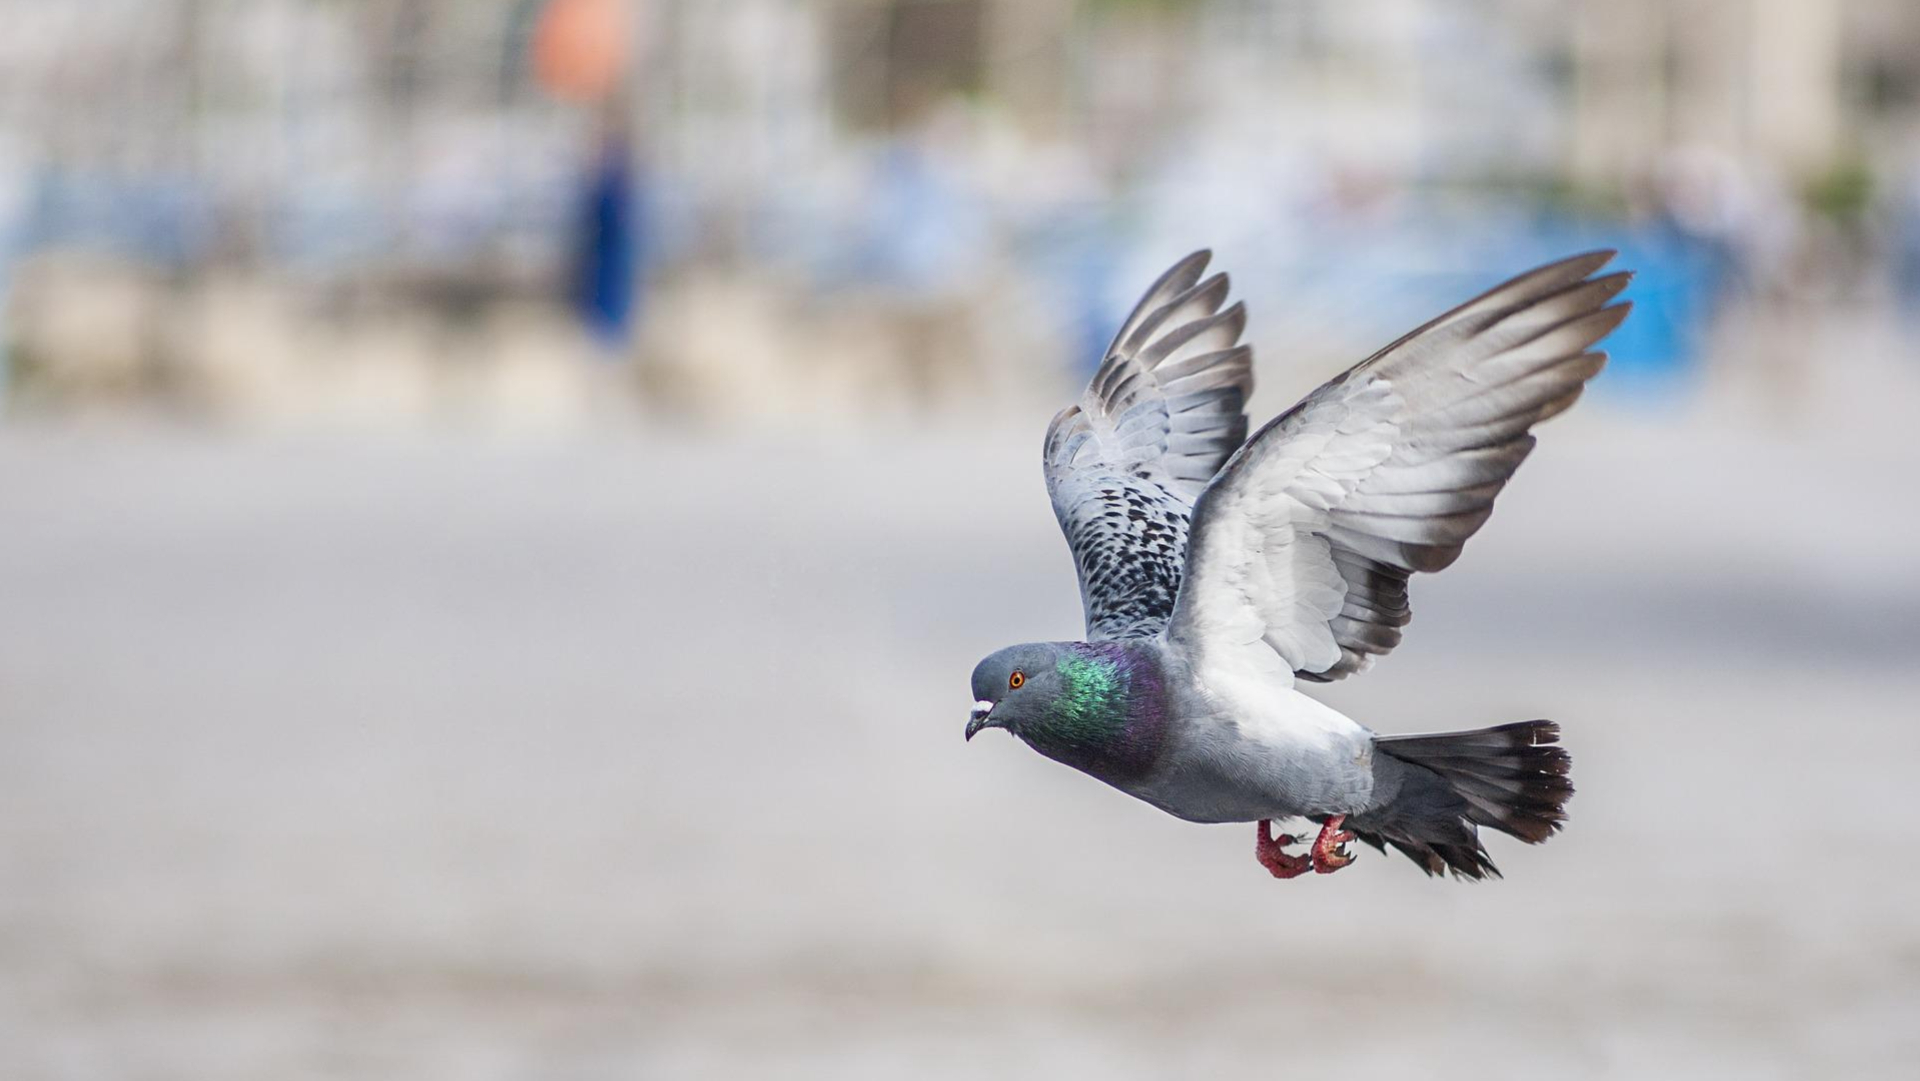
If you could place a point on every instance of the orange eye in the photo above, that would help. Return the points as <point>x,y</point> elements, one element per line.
<point>1016,679</point>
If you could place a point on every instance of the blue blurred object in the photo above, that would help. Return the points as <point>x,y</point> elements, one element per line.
<point>1906,254</point>
<point>606,283</point>
<point>165,219</point>
<point>8,255</point>
<point>1677,282</point>
<point>1679,279</point>
<point>1077,252</point>
<point>921,230</point>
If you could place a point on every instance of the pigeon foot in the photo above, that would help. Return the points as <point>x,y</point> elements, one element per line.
<point>1330,848</point>
<point>1272,854</point>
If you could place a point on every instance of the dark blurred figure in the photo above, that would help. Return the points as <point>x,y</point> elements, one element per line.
<point>582,52</point>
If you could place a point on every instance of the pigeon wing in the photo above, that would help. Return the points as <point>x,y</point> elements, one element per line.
<point>1125,464</point>
<point>1306,539</point>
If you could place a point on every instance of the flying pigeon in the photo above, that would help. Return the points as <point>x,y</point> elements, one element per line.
<point>1218,572</point>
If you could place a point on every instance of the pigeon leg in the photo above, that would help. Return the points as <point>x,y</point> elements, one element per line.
<point>1329,849</point>
<point>1272,854</point>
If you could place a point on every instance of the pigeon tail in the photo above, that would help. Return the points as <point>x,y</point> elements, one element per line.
<point>1441,787</point>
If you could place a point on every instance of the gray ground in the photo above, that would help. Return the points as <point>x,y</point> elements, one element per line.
<point>617,756</point>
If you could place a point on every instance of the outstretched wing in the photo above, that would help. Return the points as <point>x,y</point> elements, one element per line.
<point>1307,537</point>
<point>1125,464</point>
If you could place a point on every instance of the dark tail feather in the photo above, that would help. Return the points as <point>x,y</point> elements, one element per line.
<point>1512,777</point>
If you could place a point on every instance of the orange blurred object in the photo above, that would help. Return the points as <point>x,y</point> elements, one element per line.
<point>580,48</point>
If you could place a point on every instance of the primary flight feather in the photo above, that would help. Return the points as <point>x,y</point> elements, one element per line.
<point>1216,570</point>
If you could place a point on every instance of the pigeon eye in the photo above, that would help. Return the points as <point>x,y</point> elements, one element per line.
<point>1016,679</point>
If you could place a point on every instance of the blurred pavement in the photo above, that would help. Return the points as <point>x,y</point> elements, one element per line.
<point>619,755</point>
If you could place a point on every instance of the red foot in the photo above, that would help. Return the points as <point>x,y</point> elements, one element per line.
<point>1272,854</point>
<point>1328,856</point>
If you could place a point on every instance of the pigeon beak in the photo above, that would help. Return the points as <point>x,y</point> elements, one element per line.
<point>978,719</point>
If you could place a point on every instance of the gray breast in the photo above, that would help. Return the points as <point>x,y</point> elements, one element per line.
<point>1215,768</point>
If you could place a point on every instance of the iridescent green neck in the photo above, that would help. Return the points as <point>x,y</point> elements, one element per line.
<point>1093,699</point>
<point>1108,717</point>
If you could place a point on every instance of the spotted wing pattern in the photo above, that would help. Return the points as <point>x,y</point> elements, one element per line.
<point>1124,464</point>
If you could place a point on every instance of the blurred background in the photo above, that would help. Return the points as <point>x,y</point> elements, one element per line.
<point>499,500</point>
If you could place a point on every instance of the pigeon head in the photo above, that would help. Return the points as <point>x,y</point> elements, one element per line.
<point>1096,706</point>
<point>1016,686</point>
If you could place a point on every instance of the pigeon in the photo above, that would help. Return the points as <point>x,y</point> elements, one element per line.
<point>1219,572</point>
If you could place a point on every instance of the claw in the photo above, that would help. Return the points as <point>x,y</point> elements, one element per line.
<point>1330,852</point>
<point>1272,854</point>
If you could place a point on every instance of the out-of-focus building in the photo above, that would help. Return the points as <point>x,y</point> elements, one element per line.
<point>919,165</point>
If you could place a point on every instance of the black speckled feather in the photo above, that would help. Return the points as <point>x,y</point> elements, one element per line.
<point>1126,463</point>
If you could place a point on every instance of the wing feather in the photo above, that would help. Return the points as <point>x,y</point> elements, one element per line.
<point>1306,537</point>
<point>1125,463</point>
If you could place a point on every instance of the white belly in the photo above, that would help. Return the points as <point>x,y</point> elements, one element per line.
<point>1246,749</point>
